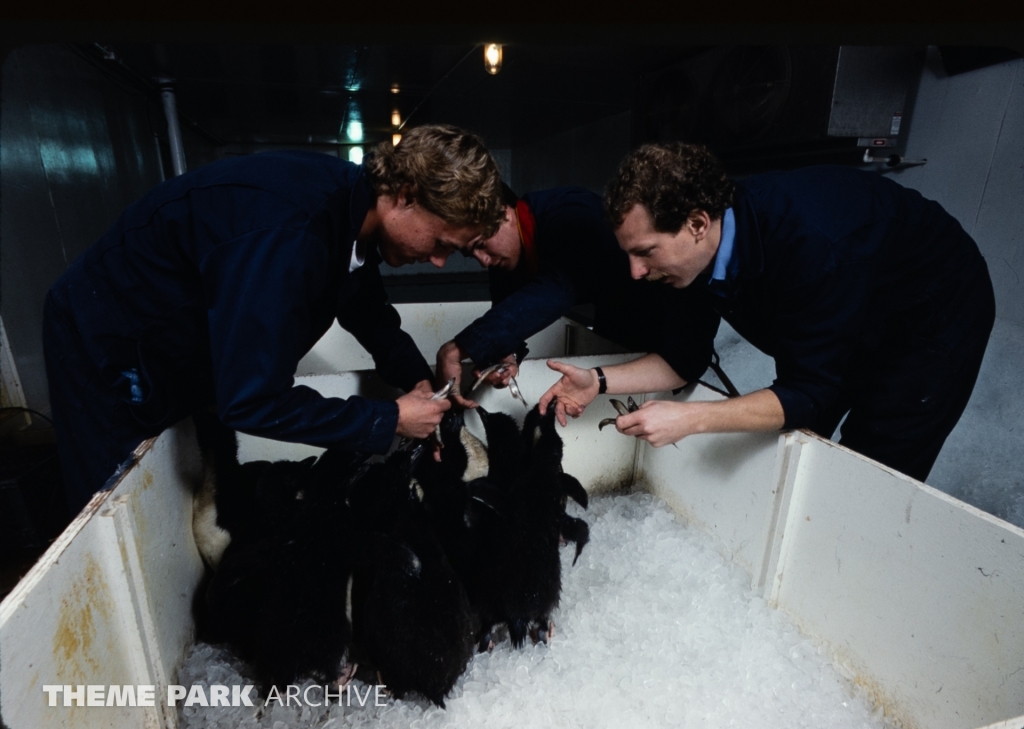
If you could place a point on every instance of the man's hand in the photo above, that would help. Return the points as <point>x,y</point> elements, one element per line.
<point>449,365</point>
<point>418,415</point>
<point>661,423</point>
<point>576,390</point>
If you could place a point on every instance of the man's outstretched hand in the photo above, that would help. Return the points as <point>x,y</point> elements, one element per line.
<point>574,391</point>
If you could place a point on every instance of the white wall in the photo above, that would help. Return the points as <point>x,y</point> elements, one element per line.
<point>970,128</point>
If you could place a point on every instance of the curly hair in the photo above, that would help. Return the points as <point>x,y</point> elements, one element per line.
<point>447,170</point>
<point>671,181</point>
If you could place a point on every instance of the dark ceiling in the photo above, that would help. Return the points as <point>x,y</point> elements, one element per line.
<point>291,94</point>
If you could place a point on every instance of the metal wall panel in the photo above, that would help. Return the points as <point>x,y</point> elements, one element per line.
<point>871,90</point>
<point>74,151</point>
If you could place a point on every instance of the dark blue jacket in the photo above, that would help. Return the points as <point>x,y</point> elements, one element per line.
<point>826,260</point>
<point>211,288</point>
<point>580,262</point>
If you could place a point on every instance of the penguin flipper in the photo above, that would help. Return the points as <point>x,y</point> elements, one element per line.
<point>574,489</point>
<point>576,531</point>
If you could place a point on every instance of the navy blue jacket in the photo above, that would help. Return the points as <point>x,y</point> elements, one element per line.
<point>211,288</point>
<point>580,262</point>
<point>825,260</point>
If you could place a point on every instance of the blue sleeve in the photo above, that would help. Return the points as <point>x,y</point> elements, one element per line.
<point>816,320</point>
<point>503,329</point>
<point>377,326</point>
<point>260,290</point>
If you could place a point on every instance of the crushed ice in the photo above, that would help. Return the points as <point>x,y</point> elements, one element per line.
<point>654,629</point>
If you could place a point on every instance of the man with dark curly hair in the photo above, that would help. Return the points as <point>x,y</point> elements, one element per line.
<point>208,291</point>
<point>873,301</point>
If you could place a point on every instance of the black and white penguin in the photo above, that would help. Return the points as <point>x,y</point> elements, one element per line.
<point>523,585</point>
<point>411,617</point>
<point>454,496</point>
<point>239,501</point>
<point>278,597</point>
<point>505,449</point>
<point>571,529</point>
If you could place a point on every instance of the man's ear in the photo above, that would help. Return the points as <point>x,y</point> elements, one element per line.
<point>699,223</point>
<point>405,197</point>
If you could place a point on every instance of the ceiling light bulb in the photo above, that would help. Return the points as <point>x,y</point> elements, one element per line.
<point>355,154</point>
<point>492,57</point>
<point>396,118</point>
<point>395,139</point>
<point>394,88</point>
<point>355,131</point>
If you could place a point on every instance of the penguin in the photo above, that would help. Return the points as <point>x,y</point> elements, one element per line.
<point>411,616</point>
<point>280,604</point>
<point>463,456</point>
<point>449,488</point>
<point>218,446</point>
<point>523,585</point>
<point>278,598</point>
<point>278,595</point>
<point>505,447</point>
<point>571,529</point>
<point>238,501</point>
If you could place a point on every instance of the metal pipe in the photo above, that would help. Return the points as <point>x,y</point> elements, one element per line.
<point>173,128</point>
<point>159,158</point>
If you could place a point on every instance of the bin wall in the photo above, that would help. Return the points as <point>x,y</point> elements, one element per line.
<point>919,597</point>
<point>724,484</point>
<point>110,602</point>
<point>431,325</point>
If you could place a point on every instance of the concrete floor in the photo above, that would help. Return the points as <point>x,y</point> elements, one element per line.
<point>981,461</point>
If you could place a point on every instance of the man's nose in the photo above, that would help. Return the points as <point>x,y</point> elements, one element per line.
<point>637,269</point>
<point>482,257</point>
<point>438,259</point>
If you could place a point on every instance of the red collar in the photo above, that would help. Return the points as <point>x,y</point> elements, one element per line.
<point>527,228</point>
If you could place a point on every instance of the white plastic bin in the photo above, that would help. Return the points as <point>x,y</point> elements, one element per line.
<point>919,597</point>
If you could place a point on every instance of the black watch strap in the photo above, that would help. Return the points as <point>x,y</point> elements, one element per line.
<point>602,383</point>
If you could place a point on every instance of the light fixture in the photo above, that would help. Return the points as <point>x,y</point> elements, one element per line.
<point>355,131</point>
<point>396,118</point>
<point>492,57</point>
<point>395,139</point>
<point>394,88</point>
<point>355,154</point>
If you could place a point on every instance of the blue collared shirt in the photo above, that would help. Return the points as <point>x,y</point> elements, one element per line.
<point>724,255</point>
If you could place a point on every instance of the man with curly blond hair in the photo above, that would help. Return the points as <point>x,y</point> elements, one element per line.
<point>873,301</point>
<point>208,291</point>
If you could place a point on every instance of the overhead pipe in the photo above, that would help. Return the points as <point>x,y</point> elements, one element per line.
<point>434,87</point>
<point>173,128</point>
<point>159,158</point>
